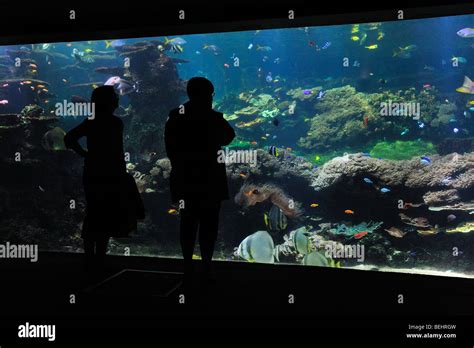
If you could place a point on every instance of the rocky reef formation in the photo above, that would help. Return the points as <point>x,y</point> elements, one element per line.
<point>41,199</point>
<point>160,90</point>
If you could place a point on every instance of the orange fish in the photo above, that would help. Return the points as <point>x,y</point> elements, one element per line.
<point>254,143</point>
<point>349,211</point>
<point>360,234</point>
<point>243,175</point>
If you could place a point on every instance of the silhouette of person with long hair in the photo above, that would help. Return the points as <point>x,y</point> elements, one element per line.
<point>106,184</point>
<point>194,134</point>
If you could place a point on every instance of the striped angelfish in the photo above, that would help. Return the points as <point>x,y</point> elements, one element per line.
<point>275,219</point>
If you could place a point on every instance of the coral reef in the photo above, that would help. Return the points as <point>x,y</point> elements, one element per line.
<point>350,231</point>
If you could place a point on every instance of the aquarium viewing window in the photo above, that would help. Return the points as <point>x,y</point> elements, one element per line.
<point>354,147</point>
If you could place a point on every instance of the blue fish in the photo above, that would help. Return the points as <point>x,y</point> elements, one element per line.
<point>321,94</point>
<point>368,181</point>
<point>384,190</point>
<point>425,160</point>
<point>421,124</point>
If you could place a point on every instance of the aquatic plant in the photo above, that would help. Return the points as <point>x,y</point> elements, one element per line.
<point>402,150</point>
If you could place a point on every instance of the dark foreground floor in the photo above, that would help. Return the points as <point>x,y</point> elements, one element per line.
<point>249,302</point>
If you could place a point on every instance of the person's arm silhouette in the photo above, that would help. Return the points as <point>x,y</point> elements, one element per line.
<point>225,133</point>
<point>71,139</point>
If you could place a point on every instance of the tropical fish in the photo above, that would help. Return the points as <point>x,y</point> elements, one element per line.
<point>466,32</point>
<point>3,101</point>
<point>455,130</point>
<point>269,77</point>
<point>314,205</point>
<point>264,48</point>
<point>425,160</point>
<point>326,45</point>
<point>355,38</point>
<point>348,211</point>
<point>315,258</point>
<point>273,150</point>
<point>372,47</point>
<point>114,43</point>
<point>301,241</point>
<point>258,247</point>
<point>405,131</point>
<point>467,86</point>
<point>360,234</point>
<point>321,94</point>
<point>380,35</point>
<point>404,52</point>
<point>317,158</point>
<point>172,211</point>
<point>212,48</point>
<point>307,92</point>
<point>124,87</point>
<point>250,46</point>
<point>368,181</point>
<point>446,181</point>
<point>459,60</point>
<point>396,232</point>
<point>451,217</point>
<point>175,41</point>
<point>275,220</point>
<point>384,190</point>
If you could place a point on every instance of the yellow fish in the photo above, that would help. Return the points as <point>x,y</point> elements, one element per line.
<point>314,205</point>
<point>88,50</point>
<point>372,47</point>
<point>94,86</point>
<point>317,158</point>
<point>380,35</point>
<point>172,212</point>
<point>470,102</point>
<point>355,29</point>
<point>355,38</point>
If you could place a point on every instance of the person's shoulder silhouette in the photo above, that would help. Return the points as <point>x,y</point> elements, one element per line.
<point>194,134</point>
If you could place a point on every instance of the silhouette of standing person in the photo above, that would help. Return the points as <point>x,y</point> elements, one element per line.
<point>194,134</point>
<point>106,183</point>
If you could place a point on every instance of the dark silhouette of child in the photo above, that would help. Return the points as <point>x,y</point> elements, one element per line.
<point>106,184</point>
<point>194,134</point>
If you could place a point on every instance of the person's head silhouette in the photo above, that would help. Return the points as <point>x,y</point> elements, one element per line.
<point>105,99</point>
<point>200,90</point>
